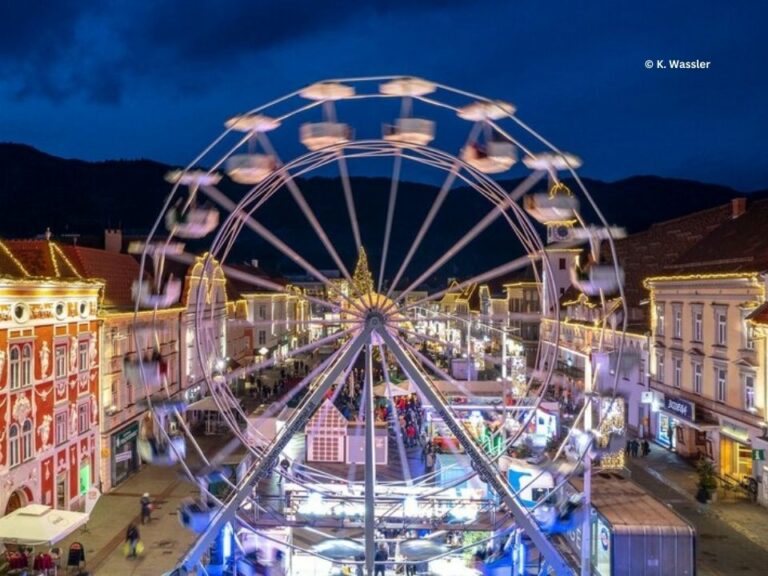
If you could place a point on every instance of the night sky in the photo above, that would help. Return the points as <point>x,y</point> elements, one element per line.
<point>155,79</point>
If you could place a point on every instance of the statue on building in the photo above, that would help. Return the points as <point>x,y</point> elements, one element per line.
<point>72,355</point>
<point>45,359</point>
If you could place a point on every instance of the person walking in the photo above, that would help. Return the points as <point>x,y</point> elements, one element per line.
<point>381,560</point>
<point>146,508</point>
<point>132,540</point>
<point>635,448</point>
<point>646,448</point>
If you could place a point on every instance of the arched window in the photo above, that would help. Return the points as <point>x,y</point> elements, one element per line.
<point>26,365</point>
<point>14,367</point>
<point>13,445</point>
<point>27,441</point>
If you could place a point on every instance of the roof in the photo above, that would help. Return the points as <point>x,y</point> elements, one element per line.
<point>759,315</point>
<point>118,271</point>
<point>737,245</point>
<point>43,258</point>
<point>650,252</point>
<point>10,265</point>
<point>327,419</point>
<point>626,505</point>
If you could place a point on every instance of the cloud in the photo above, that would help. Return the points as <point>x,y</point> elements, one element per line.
<point>67,48</point>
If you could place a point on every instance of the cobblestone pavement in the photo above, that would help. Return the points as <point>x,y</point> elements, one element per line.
<point>732,534</point>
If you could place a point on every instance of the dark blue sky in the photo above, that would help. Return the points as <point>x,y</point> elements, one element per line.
<point>155,79</point>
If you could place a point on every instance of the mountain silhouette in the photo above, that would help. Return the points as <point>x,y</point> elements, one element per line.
<point>41,191</point>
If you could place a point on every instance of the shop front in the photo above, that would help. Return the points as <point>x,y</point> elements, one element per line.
<point>678,429</point>
<point>125,455</point>
<point>735,451</point>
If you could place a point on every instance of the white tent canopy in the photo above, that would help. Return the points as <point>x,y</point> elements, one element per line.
<point>38,525</point>
<point>207,404</point>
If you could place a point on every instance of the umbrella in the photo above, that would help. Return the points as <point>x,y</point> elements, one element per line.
<point>420,550</point>
<point>37,525</point>
<point>340,548</point>
<point>381,390</point>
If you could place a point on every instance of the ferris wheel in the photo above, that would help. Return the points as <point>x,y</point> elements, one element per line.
<point>370,322</point>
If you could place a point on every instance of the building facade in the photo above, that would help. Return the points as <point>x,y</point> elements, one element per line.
<point>49,375</point>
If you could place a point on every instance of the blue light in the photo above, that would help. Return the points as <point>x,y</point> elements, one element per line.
<point>226,545</point>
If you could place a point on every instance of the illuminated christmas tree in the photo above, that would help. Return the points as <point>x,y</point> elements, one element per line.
<point>362,279</point>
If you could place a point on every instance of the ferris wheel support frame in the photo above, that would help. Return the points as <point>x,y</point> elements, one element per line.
<point>299,420</point>
<point>485,468</point>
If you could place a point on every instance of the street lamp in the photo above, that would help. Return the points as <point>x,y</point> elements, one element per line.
<point>263,351</point>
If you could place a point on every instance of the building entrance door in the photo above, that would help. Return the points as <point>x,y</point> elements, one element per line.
<point>61,491</point>
<point>15,502</point>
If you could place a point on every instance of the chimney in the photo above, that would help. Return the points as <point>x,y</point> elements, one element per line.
<point>738,207</point>
<point>113,241</point>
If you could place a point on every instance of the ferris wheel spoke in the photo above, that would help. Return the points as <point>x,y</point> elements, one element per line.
<point>438,202</point>
<point>511,266</point>
<point>299,198</point>
<point>286,250</point>
<point>395,419</point>
<point>390,215</point>
<point>347,186</point>
<point>486,221</point>
<point>261,282</point>
<point>330,339</point>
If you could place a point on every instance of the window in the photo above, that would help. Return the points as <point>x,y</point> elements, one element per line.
<point>83,422</point>
<point>678,321</point>
<point>749,391</point>
<point>262,311</point>
<point>262,337</point>
<point>660,367</point>
<point>678,376</point>
<point>13,445</point>
<point>660,319</point>
<point>697,325</point>
<point>721,319</point>
<point>61,361</point>
<point>14,367</point>
<point>61,427</point>
<point>27,445</point>
<point>129,392</point>
<point>26,365</point>
<point>749,333</point>
<point>720,378</point>
<point>82,355</point>
<point>561,264</point>
<point>696,378</point>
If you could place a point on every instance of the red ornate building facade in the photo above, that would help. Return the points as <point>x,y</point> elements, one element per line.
<point>49,377</point>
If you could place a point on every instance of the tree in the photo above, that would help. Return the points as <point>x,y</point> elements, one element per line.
<point>362,279</point>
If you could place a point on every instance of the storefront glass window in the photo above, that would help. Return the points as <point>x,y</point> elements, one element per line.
<point>85,477</point>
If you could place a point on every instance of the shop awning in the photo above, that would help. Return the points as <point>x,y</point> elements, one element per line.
<point>39,525</point>
<point>394,390</point>
<point>207,404</point>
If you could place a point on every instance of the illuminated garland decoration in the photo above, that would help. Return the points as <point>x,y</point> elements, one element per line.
<point>61,254</point>
<point>13,259</point>
<point>753,276</point>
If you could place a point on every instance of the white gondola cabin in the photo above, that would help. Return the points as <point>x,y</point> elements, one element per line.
<point>594,278</point>
<point>494,157</point>
<point>318,135</point>
<point>149,371</point>
<point>549,208</point>
<point>411,131</point>
<point>196,222</point>
<point>196,516</point>
<point>250,168</point>
<point>142,292</point>
<point>163,455</point>
<point>552,161</point>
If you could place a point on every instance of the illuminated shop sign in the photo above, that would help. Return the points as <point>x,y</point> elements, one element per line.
<point>680,408</point>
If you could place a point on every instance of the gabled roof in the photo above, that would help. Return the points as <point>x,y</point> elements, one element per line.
<point>43,258</point>
<point>759,315</point>
<point>650,252</point>
<point>327,419</point>
<point>737,245</point>
<point>10,265</point>
<point>118,271</point>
